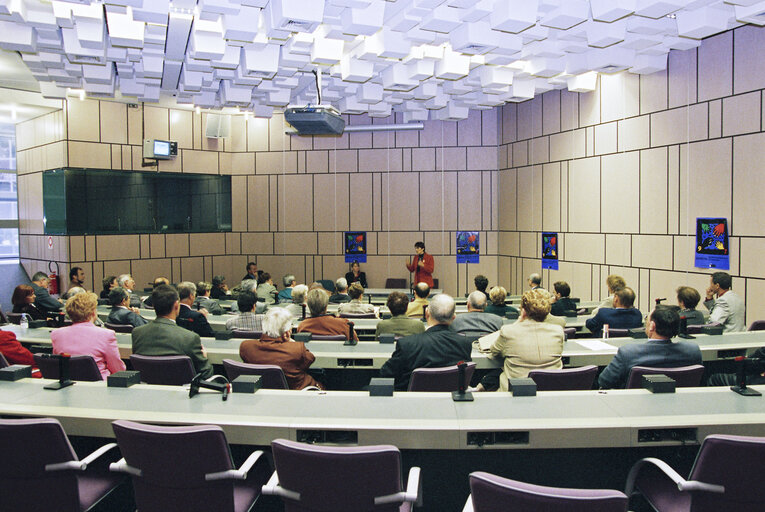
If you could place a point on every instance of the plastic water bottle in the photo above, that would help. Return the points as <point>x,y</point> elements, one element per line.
<point>605,331</point>
<point>24,322</point>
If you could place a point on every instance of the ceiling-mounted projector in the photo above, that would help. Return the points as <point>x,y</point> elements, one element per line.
<point>315,120</point>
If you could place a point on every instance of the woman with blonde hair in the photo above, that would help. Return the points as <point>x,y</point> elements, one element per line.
<point>83,337</point>
<point>497,296</point>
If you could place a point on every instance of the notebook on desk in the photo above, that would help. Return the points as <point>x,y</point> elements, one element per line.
<point>485,342</point>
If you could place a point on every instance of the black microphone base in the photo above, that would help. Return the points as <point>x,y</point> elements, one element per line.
<point>59,385</point>
<point>745,391</point>
<point>686,336</point>
<point>466,396</point>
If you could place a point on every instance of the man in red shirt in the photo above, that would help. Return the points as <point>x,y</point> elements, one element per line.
<point>422,265</point>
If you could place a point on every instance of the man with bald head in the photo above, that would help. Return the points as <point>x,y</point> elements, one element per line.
<point>475,321</point>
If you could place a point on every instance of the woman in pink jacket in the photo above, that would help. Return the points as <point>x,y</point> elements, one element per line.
<point>85,338</point>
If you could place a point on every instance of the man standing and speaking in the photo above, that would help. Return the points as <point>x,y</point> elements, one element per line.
<point>422,265</point>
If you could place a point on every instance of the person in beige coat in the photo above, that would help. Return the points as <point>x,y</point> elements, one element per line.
<point>530,343</point>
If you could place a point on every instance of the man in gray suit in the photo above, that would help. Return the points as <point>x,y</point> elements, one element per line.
<point>659,351</point>
<point>122,313</point>
<point>475,321</point>
<point>728,308</point>
<point>43,300</point>
<point>162,337</point>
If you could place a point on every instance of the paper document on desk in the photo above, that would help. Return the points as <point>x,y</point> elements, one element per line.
<point>485,342</point>
<point>596,345</point>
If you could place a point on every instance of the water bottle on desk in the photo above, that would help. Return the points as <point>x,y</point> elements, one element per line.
<point>24,322</point>
<point>605,331</point>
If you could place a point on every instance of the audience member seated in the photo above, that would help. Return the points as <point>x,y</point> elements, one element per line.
<point>356,305</point>
<point>122,313</point>
<point>23,301</point>
<point>252,272</point>
<point>162,337</point>
<point>246,320</point>
<point>83,337</point>
<point>421,292</point>
<point>219,288</point>
<point>497,296</point>
<point>531,343</point>
<point>535,281</point>
<point>76,278</point>
<point>266,289</point>
<point>297,299</point>
<point>728,308</point>
<point>399,324</point>
<point>285,295</point>
<point>203,299</point>
<point>15,353</point>
<point>188,318</point>
<point>561,301</point>
<point>438,346</point>
<point>688,298</point>
<point>71,292</point>
<point>613,283</point>
<point>108,283</point>
<point>318,286</point>
<point>43,301</point>
<point>621,316</point>
<point>659,351</point>
<point>356,275</point>
<point>247,285</point>
<point>157,282</point>
<point>481,284</point>
<point>341,292</point>
<point>127,282</point>
<point>277,347</point>
<point>476,321</point>
<point>320,322</point>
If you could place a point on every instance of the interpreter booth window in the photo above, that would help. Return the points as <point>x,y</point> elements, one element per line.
<point>103,202</point>
<point>9,210</point>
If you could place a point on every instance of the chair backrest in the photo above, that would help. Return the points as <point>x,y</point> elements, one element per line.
<point>490,492</point>
<point>14,318</point>
<point>566,379</point>
<point>126,328</point>
<point>332,478</point>
<point>618,333</point>
<point>569,332</point>
<point>327,284</point>
<point>247,335</point>
<point>684,376</point>
<point>28,445</point>
<point>329,337</point>
<point>3,361</point>
<point>697,328</point>
<point>395,283</point>
<point>80,368</point>
<point>358,315</point>
<point>272,375</point>
<point>173,462</point>
<point>757,325</point>
<point>439,379</point>
<point>435,283</point>
<point>168,370</point>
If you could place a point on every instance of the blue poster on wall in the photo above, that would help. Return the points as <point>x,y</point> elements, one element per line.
<point>355,245</point>
<point>467,247</point>
<point>712,250</point>
<point>550,250</point>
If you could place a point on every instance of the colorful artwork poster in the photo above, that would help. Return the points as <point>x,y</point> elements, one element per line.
<point>712,249</point>
<point>550,250</point>
<point>467,247</point>
<point>355,245</point>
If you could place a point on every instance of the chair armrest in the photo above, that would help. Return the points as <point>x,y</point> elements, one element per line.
<point>122,467</point>
<point>236,474</point>
<point>412,493</point>
<point>273,488</point>
<point>80,465</point>
<point>468,504</point>
<point>682,484</point>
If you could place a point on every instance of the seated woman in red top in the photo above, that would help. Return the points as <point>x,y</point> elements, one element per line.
<point>14,353</point>
<point>85,338</point>
<point>23,301</point>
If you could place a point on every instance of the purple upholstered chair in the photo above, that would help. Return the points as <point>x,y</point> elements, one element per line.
<point>684,376</point>
<point>272,375</point>
<point>491,493</point>
<point>329,337</point>
<point>566,379</point>
<point>124,328</point>
<point>80,368</point>
<point>168,370</point>
<point>39,470</point>
<point>727,475</point>
<point>569,332</point>
<point>618,333</point>
<point>439,379</point>
<point>311,478</point>
<point>186,469</point>
<point>696,329</point>
<point>354,316</point>
<point>757,325</point>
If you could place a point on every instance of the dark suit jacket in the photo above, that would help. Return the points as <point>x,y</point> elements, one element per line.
<point>658,353</point>
<point>44,301</point>
<point>339,298</point>
<point>562,305</point>
<point>438,346</point>
<point>616,318</point>
<point>194,321</point>
<point>362,279</point>
<point>124,316</point>
<point>162,337</point>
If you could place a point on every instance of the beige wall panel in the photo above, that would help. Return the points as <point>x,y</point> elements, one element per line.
<point>451,159</point>
<point>55,155</point>
<point>584,248</point>
<point>564,166</point>
<point>437,204</point>
<point>685,247</point>
<point>567,145</point>
<point>446,273</point>
<point>357,140</point>
<point>482,159</point>
<point>520,154</point>
<point>145,249</point>
<point>634,133</point>
<point>508,123</point>
<point>238,163</point>
<point>399,244</point>
<point>653,191</point>
<point>335,267</point>
<point>30,203</point>
<point>127,157</point>
<point>277,266</point>
<point>229,266</point>
<point>589,107</point>
<point>748,183</point>
<point>490,200</point>
<point>489,240</point>
<point>400,195</point>
<point>509,243</point>
<point>181,128</point>
<point>539,150</point>
<point>669,127</point>
<point>202,244</point>
<point>296,215</point>
<point>620,193</point>
<point>424,159</point>
<point>172,165</point>
<point>653,92</point>
<point>673,172</point>
<point>177,245</point>
<point>529,245</point>
<point>233,243</point>
<point>258,200</point>
<point>682,77</point>
<point>278,140</point>
<point>90,154</point>
<point>618,250</point>
<point>752,250</point>
<point>135,126</point>
<point>551,191</point>
<point>490,127</point>
<point>361,202</point>
<point>347,160</point>
<point>605,138</point>
<point>530,198</point>
<point>157,245</point>
<point>77,248</point>
<point>619,96</point>
<point>157,123</point>
<point>201,162</point>
<point>702,164</point>
<point>116,157</point>
<point>578,276</point>
<point>114,247</point>
<point>469,130</point>
<point>113,122</point>
<point>145,271</point>
<point>330,142</point>
<point>329,243</point>
<point>317,161</point>
<point>755,306</point>
<point>192,269</point>
<point>470,198</point>
<point>257,134</point>
<point>652,251</point>
<point>276,162</point>
<point>116,268</point>
<point>330,205</point>
<point>257,243</point>
<point>583,194</point>
<point>90,248</point>
<point>298,142</point>
<point>504,156</point>
<point>748,67</point>
<point>569,110</point>
<point>83,120</point>
<point>551,112</point>
<point>295,243</point>
<point>531,112</point>
<point>741,114</point>
<point>238,139</point>
<point>716,66</point>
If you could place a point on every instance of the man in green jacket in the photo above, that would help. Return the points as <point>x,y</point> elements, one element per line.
<point>399,324</point>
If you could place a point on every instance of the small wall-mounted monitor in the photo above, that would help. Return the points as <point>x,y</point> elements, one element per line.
<point>159,149</point>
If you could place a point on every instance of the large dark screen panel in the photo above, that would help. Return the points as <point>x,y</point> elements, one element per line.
<point>99,201</point>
